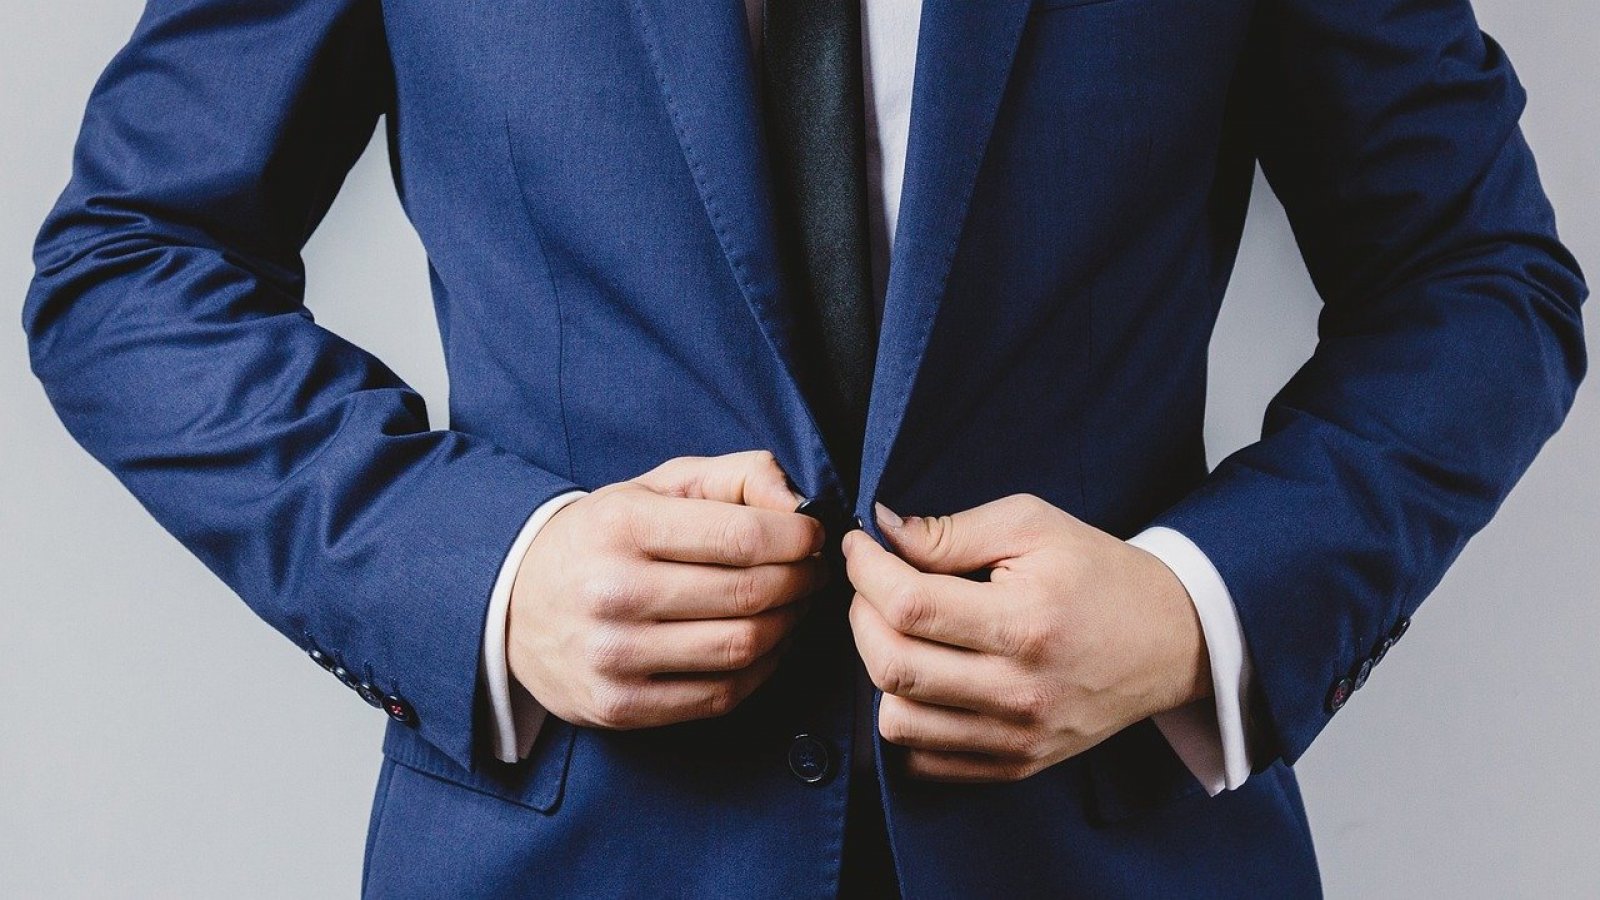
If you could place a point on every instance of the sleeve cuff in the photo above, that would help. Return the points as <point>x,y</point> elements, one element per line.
<point>517,716</point>
<point>1208,736</point>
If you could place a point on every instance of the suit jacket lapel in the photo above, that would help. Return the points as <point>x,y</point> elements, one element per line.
<point>706,75</point>
<point>702,56</point>
<point>964,56</point>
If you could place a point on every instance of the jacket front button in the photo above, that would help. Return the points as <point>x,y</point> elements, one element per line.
<point>835,523</point>
<point>826,509</point>
<point>320,658</point>
<point>809,759</point>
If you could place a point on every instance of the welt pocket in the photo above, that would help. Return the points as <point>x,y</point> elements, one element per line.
<point>535,782</point>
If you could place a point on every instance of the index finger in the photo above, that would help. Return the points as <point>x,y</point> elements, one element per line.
<point>749,478</point>
<point>689,529</point>
<point>949,609</point>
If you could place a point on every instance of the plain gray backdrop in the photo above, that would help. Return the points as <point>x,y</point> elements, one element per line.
<point>157,740</point>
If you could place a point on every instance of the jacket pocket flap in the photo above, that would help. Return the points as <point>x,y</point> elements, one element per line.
<point>535,782</point>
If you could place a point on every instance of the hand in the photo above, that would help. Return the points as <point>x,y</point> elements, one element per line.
<point>1075,636</point>
<point>664,598</point>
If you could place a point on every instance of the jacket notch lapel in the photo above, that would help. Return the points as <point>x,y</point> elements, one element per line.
<point>705,71</point>
<point>964,57</point>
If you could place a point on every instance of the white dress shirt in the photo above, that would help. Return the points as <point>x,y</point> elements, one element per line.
<point>1208,735</point>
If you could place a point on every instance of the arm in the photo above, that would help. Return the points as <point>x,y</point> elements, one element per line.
<point>1450,348</point>
<point>1449,345</point>
<point>166,323</point>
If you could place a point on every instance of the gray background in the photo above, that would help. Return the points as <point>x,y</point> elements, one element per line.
<point>158,740</point>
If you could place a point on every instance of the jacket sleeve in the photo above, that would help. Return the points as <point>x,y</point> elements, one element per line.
<point>1449,342</point>
<point>167,325</point>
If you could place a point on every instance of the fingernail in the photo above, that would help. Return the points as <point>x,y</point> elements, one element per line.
<point>887,518</point>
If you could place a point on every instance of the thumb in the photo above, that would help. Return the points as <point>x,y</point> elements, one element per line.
<point>748,478</point>
<point>955,544</point>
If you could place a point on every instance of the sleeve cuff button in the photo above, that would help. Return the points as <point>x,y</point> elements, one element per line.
<point>399,709</point>
<point>1340,694</point>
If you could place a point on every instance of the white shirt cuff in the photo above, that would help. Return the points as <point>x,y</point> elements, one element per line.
<point>1208,736</point>
<point>517,716</point>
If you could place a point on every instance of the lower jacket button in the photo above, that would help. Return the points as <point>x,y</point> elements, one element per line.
<point>809,759</point>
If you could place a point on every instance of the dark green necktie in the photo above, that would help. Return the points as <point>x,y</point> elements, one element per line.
<point>816,134</point>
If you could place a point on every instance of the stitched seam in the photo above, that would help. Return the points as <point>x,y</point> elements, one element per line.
<point>380,819</point>
<point>555,294</point>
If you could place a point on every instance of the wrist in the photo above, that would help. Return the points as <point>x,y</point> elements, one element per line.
<point>535,565</point>
<point>1181,664</point>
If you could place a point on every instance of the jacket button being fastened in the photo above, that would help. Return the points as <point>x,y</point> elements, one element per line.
<point>835,522</point>
<point>809,759</point>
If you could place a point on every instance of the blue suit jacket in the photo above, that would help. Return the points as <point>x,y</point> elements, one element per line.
<point>588,181</point>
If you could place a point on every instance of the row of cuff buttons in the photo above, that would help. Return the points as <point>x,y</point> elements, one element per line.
<point>1346,685</point>
<point>397,707</point>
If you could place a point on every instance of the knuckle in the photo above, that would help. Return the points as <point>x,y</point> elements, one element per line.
<point>941,536</point>
<point>1030,504</point>
<point>614,706</point>
<point>1030,640</point>
<point>606,649</point>
<point>895,676</point>
<point>1079,726</point>
<point>742,648</point>
<point>907,608</point>
<point>1028,704</point>
<point>610,511</point>
<point>721,698</point>
<point>764,459</point>
<point>607,594</point>
<point>1028,512</point>
<point>747,597</point>
<point>893,726</point>
<point>737,538</point>
<point>1017,745</point>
